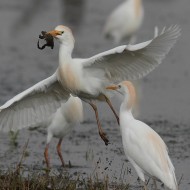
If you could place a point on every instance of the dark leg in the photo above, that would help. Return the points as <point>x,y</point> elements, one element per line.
<point>46,156</point>
<point>110,105</point>
<point>101,133</point>
<point>59,152</point>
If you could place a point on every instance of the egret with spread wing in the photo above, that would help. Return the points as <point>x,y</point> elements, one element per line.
<point>85,78</point>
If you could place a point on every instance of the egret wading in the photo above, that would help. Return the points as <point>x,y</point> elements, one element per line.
<point>143,147</point>
<point>61,123</point>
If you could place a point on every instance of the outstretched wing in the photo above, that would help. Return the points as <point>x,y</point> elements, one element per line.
<point>129,62</point>
<point>32,106</point>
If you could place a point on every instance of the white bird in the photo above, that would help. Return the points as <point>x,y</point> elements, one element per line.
<point>85,78</point>
<point>125,20</point>
<point>61,123</point>
<point>143,147</point>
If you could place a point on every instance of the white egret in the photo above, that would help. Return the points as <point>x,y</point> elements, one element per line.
<point>85,78</point>
<point>125,20</point>
<point>143,147</point>
<point>62,122</point>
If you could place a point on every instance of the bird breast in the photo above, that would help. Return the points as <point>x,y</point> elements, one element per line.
<point>69,77</point>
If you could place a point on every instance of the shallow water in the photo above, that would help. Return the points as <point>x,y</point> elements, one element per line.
<point>164,94</point>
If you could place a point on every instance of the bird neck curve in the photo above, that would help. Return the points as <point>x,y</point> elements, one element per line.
<point>129,98</point>
<point>125,116</point>
<point>127,104</point>
<point>65,52</point>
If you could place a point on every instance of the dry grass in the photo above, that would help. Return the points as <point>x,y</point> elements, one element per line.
<point>18,179</point>
<point>10,180</point>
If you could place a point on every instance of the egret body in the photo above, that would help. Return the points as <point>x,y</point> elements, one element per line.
<point>62,122</point>
<point>125,20</point>
<point>143,147</point>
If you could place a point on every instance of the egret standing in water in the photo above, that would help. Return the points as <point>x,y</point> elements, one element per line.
<point>143,147</point>
<point>62,122</point>
<point>85,78</point>
<point>125,20</point>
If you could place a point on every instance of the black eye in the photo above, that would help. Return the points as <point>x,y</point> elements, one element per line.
<point>62,32</point>
<point>119,86</point>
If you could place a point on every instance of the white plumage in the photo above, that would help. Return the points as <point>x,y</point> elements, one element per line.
<point>85,78</point>
<point>143,147</point>
<point>125,20</point>
<point>62,122</point>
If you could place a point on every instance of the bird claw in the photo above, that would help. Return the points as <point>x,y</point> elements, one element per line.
<point>118,120</point>
<point>104,138</point>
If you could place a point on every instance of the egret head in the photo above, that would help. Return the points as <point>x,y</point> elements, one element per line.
<point>63,34</point>
<point>127,89</point>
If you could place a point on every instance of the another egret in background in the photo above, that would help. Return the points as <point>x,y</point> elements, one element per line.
<point>85,78</point>
<point>62,122</point>
<point>143,147</point>
<point>125,20</point>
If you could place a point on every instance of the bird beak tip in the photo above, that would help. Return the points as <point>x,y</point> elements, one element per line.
<point>54,33</point>
<point>112,87</point>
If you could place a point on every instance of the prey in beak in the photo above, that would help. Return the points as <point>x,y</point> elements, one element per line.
<point>48,37</point>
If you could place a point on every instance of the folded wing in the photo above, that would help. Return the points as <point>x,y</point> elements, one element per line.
<point>32,106</point>
<point>129,62</point>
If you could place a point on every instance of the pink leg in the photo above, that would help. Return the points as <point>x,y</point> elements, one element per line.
<point>145,186</point>
<point>59,152</point>
<point>46,156</point>
<point>101,133</point>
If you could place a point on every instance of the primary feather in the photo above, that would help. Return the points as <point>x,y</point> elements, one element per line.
<point>129,62</point>
<point>32,106</point>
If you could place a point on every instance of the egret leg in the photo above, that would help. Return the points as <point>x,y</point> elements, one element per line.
<point>46,156</point>
<point>110,105</point>
<point>101,133</point>
<point>145,186</point>
<point>59,152</point>
<point>155,185</point>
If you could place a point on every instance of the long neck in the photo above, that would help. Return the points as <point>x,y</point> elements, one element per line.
<point>125,115</point>
<point>65,52</point>
<point>126,104</point>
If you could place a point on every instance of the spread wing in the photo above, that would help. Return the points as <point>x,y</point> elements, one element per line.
<point>129,62</point>
<point>32,106</point>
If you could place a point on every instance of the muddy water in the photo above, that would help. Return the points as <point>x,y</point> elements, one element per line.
<point>164,94</point>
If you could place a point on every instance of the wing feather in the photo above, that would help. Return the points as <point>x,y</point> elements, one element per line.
<point>131,62</point>
<point>32,106</point>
